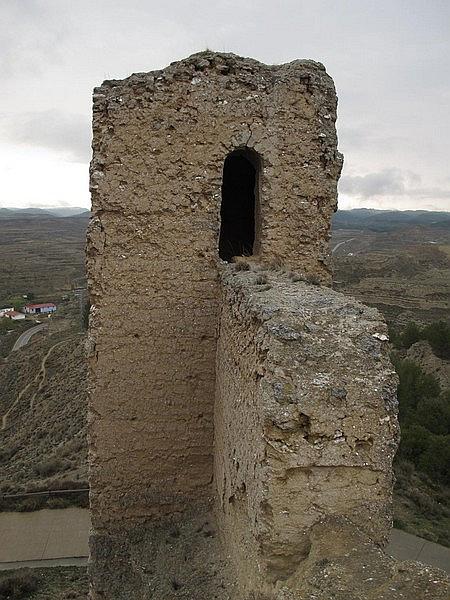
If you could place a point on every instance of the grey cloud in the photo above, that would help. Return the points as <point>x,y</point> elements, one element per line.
<point>368,137</point>
<point>65,133</point>
<point>30,38</point>
<point>431,192</point>
<point>390,182</point>
<point>393,95</point>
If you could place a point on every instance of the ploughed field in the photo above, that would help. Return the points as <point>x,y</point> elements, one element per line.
<point>41,254</point>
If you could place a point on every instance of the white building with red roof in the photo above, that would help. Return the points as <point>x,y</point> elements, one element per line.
<point>37,309</point>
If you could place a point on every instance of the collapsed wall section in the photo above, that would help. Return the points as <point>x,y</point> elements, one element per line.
<point>305,420</point>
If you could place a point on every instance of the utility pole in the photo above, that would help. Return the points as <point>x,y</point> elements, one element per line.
<point>80,293</point>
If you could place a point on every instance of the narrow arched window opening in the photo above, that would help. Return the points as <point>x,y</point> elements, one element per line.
<point>239,204</point>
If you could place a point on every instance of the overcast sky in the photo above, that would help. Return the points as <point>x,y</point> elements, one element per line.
<point>390,60</point>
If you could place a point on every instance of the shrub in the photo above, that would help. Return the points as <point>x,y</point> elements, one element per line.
<point>50,467</point>
<point>395,338</point>
<point>414,441</point>
<point>313,279</point>
<point>414,385</point>
<point>435,461</point>
<point>438,336</point>
<point>261,279</point>
<point>434,414</point>
<point>18,585</point>
<point>7,453</point>
<point>411,335</point>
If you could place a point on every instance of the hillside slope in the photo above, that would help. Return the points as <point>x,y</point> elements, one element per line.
<point>43,408</point>
<point>403,271</point>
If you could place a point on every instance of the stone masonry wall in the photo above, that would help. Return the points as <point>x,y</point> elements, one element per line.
<point>159,145</point>
<point>305,420</point>
<point>242,422</point>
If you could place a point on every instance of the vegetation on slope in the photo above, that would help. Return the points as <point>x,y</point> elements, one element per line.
<point>43,412</point>
<point>422,463</point>
<point>437,334</point>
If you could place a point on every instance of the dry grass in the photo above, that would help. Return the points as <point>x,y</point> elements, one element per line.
<point>17,585</point>
<point>421,506</point>
<point>55,583</point>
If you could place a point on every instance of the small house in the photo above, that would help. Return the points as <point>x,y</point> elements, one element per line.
<point>37,309</point>
<point>14,315</point>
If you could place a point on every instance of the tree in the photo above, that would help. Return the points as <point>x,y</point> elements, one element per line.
<point>411,335</point>
<point>438,336</point>
<point>16,302</point>
<point>414,385</point>
<point>434,414</point>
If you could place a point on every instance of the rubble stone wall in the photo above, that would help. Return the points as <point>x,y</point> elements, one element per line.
<point>305,419</point>
<point>160,140</point>
<point>242,421</point>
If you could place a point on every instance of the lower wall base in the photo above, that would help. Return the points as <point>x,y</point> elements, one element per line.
<point>342,564</point>
<point>180,557</point>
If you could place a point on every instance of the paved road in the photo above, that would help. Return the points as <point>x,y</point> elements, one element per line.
<point>60,537</point>
<point>38,538</point>
<point>341,244</point>
<point>405,546</point>
<point>23,339</point>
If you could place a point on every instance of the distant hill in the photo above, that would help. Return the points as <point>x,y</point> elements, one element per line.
<point>14,213</point>
<point>67,211</point>
<point>359,218</point>
<point>388,220</point>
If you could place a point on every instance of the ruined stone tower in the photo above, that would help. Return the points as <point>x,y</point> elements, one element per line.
<point>234,405</point>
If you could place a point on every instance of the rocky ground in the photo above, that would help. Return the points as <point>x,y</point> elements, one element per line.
<point>344,565</point>
<point>422,354</point>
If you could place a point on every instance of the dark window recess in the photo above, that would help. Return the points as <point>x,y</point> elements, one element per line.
<point>237,212</point>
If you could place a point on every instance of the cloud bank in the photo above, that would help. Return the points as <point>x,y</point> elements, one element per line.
<point>64,133</point>
<point>389,61</point>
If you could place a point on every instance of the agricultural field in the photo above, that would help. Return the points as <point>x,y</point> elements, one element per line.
<point>41,255</point>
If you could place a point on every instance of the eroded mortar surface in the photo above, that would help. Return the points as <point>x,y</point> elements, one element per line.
<point>303,429</point>
<point>159,147</point>
<point>233,408</point>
